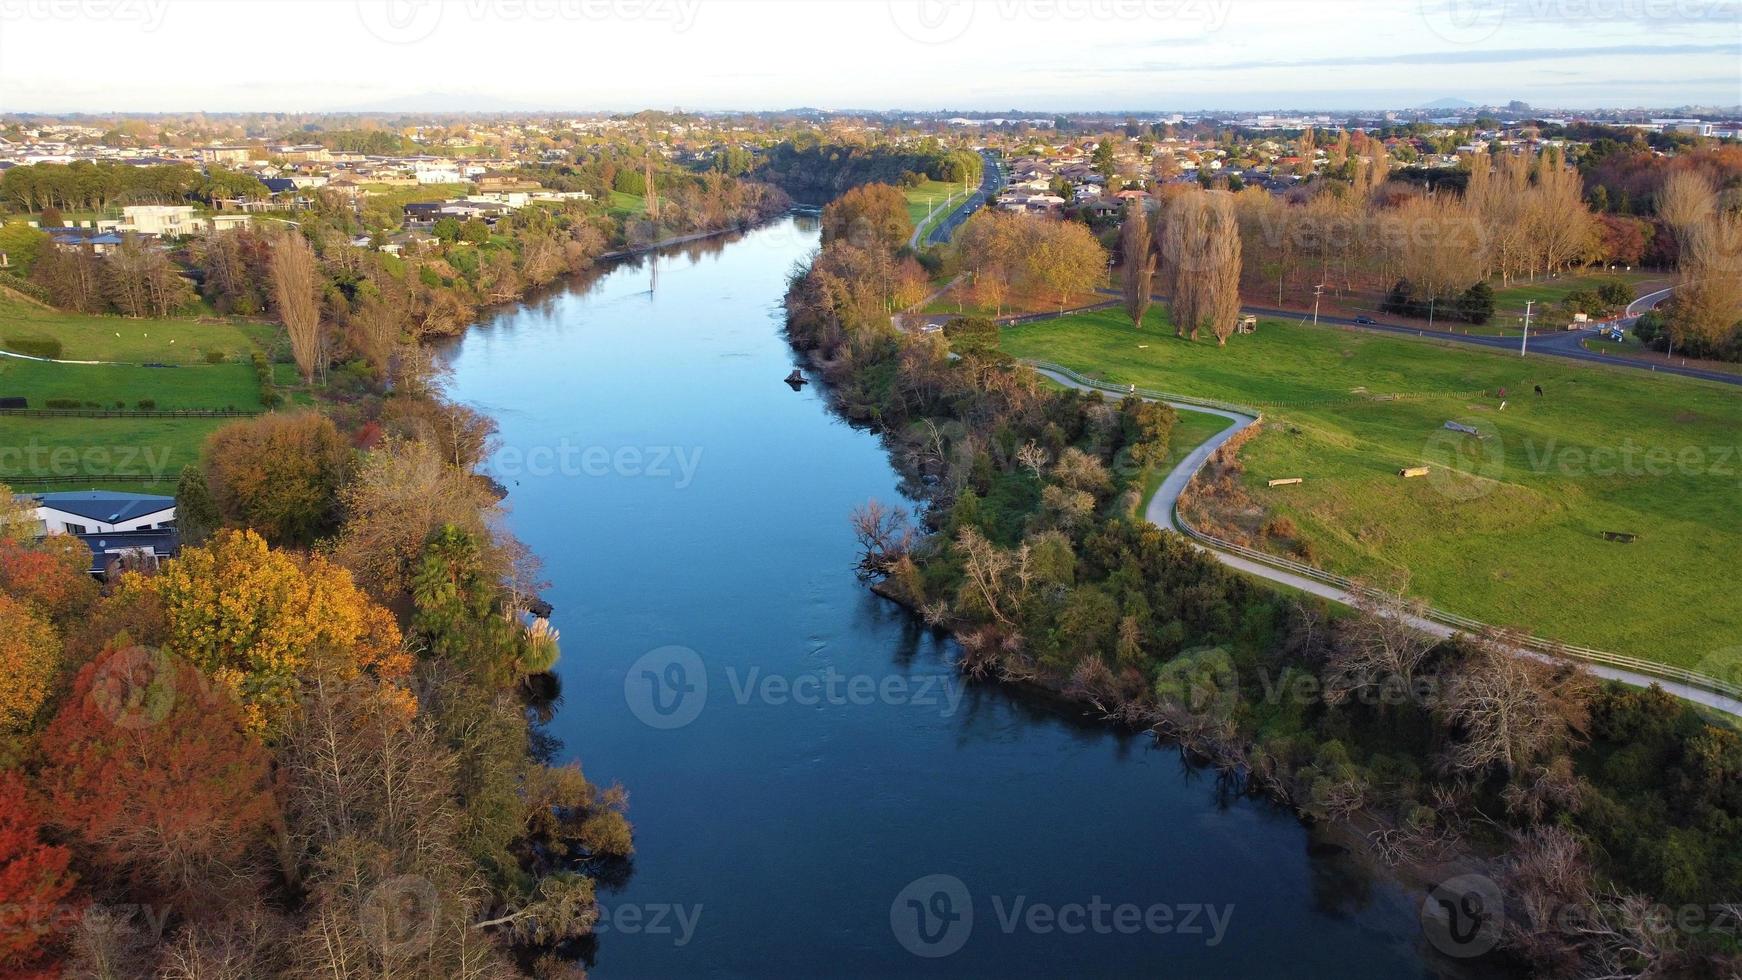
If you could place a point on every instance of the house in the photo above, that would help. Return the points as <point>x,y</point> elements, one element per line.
<point>161,219</point>
<point>97,511</point>
<point>136,528</point>
<point>225,154</point>
<point>224,222</point>
<point>279,185</point>
<point>100,242</point>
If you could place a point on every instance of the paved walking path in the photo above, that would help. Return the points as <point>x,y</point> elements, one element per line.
<point>1163,511</point>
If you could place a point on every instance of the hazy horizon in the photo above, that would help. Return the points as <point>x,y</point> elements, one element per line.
<point>1038,56</point>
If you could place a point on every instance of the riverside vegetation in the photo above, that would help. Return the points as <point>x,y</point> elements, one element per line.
<point>1574,795</point>
<point>310,745</point>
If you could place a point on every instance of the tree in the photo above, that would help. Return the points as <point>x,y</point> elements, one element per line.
<point>52,573</point>
<point>1200,243</point>
<point>296,294</point>
<point>141,281</point>
<point>35,886</point>
<point>196,513</point>
<point>278,474</point>
<point>462,616</point>
<point>1508,710</point>
<point>402,495</point>
<point>869,216</point>
<point>1139,269</point>
<point>151,768</point>
<point>30,657</point>
<point>260,621</point>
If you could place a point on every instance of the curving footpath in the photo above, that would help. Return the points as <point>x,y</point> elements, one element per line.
<point>1163,511</point>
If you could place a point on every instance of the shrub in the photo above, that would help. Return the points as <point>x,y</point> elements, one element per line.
<point>62,403</point>
<point>216,357</point>
<point>145,404</point>
<point>47,347</point>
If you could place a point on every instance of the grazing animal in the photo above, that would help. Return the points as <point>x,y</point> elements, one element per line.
<point>1539,391</point>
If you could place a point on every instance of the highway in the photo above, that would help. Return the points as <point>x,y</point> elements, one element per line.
<point>991,180</point>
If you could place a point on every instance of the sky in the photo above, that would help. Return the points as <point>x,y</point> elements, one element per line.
<point>1037,55</point>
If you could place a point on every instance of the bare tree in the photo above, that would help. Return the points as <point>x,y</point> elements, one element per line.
<point>885,537</point>
<point>295,289</point>
<point>1508,709</point>
<point>1382,647</point>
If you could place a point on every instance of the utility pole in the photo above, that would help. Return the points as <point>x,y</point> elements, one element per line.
<point>1317,292</point>
<point>1430,311</point>
<point>1524,343</point>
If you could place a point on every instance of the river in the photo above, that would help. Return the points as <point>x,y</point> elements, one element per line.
<point>814,792</point>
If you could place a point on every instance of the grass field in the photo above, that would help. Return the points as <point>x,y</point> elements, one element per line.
<point>1508,528</point>
<point>115,338</point>
<point>153,449</point>
<point>1510,301</point>
<point>396,195</point>
<point>923,197</point>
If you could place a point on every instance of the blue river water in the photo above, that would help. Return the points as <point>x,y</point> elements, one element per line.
<point>814,791</point>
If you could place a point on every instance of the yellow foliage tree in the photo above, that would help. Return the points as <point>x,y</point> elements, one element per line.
<point>259,621</point>
<point>30,654</point>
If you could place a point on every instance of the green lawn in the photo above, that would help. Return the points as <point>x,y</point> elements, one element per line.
<point>621,205</point>
<point>400,196</point>
<point>116,338</point>
<point>1510,301</point>
<point>923,197</point>
<point>186,386</point>
<point>154,449</point>
<point>1507,529</point>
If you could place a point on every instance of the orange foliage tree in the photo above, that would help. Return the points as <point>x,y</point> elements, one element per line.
<point>53,573</point>
<point>151,767</point>
<point>259,620</point>
<point>34,885</point>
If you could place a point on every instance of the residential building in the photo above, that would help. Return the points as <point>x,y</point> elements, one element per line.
<point>162,219</point>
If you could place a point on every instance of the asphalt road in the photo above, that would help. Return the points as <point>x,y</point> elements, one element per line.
<point>1557,343</point>
<point>991,179</point>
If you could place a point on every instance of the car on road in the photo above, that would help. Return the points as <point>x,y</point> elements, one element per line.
<point>1365,319</point>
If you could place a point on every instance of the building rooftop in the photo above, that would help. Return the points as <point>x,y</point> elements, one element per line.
<point>110,506</point>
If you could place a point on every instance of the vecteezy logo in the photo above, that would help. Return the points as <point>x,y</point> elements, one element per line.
<point>399,915</point>
<point>666,688</point>
<point>400,21</point>
<point>932,21</point>
<point>1464,21</point>
<point>1466,462</point>
<point>1464,916</point>
<point>933,916</point>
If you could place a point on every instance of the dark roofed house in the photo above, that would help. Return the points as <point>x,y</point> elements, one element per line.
<point>279,185</point>
<point>72,238</point>
<point>134,528</point>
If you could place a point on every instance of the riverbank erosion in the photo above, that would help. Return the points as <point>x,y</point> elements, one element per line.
<point>1029,549</point>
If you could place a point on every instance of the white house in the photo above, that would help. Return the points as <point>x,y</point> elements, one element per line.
<point>102,512</point>
<point>161,219</point>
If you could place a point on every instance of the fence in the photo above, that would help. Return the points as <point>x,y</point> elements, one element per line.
<point>59,480</point>
<point>1537,644</point>
<point>130,413</point>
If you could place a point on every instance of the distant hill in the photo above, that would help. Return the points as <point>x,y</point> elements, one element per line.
<point>1449,104</point>
<point>445,102</point>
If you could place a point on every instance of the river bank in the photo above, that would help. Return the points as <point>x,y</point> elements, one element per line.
<point>792,817</point>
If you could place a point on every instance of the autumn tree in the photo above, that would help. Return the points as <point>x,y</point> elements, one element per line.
<point>869,216</point>
<point>152,770</point>
<point>296,297</point>
<point>259,621</point>
<point>278,474</point>
<point>52,573</point>
<point>30,656</point>
<point>140,280</point>
<point>35,886</point>
<point>403,493</point>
